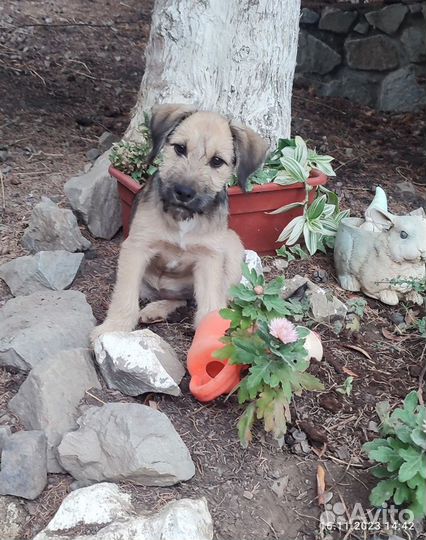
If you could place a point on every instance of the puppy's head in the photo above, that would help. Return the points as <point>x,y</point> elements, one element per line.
<point>200,153</point>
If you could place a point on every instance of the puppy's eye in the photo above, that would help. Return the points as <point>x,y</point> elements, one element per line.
<point>216,162</point>
<point>403,235</point>
<point>180,149</point>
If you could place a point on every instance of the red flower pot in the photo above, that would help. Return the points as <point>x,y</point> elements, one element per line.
<point>257,229</point>
<point>210,377</point>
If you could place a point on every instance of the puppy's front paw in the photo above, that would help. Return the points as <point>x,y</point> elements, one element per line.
<point>109,326</point>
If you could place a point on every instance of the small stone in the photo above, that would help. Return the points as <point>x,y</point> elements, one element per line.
<point>51,270</point>
<point>308,16</point>
<point>4,154</point>
<point>298,435</point>
<point>13,518</point>
<point>401,92</point>
<point>397,318</point>
<point>49,397</point>
<point>376,52</point>
<point>321,276</point>
<point>41,324</point>
<point>5,433</point>
<point>315,56</point>
<point>414,40</point>
<point>372,426</point>
<point>407,187</point>
<point>138,362</point>
<point>93,154</point>
<point>280,264</point>
<point>362,27</point>
<point>388,19</point>
<point>306,449</point>
<point>23,465</point>
<point>142,446</point>
<point>279,486</point>
<point>335,20</point>
<point>106,140</point>
<point>53,228</point>
<point>248,495</point>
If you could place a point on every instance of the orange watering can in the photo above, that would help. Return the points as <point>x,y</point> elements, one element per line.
<point>210,377</point>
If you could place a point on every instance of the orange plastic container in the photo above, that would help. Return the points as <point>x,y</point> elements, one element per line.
<point>210,377</point>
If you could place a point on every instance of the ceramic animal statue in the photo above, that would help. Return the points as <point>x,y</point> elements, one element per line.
<point>370,255</point>
<point>380,202</point>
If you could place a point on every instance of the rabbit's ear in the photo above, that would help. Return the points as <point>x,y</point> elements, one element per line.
<point>384,219</point>
<point>418,212</point>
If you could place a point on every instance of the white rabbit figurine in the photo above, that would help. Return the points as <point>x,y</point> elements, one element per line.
<point>368,260</point>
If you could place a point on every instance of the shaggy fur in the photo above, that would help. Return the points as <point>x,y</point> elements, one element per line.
<point>179,243</point>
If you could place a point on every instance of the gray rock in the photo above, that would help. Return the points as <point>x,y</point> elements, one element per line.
<point>401,92</point>
<point>106,140</point>
<point>138,362</point>
<point>372,53</point>
<point>362,27</point>
<point>13,517</point>
<point>39,325</point>
<point>5,433</point>
<point>4,155</point>
<point>387,19</point>
<point>93,154</point>
<point>315,56</point>
<point>126,441</point>
<point>335,20</point>
<point>414,41</point>
<point>406,187</point>
<point>48,399</point>
<point>325,307</point>
<point>354,85</point>
<point>415,8</point>
<point>94,198</point>
<point>308,16</point>
<point>23,465</point>
<point>53,228</point>
<point>107,509</point>
<point>52,270</point>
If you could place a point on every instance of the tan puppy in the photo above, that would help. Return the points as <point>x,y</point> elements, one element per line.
<point>179,243</point>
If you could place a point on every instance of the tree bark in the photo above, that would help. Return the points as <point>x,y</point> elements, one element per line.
<point>236,57</point>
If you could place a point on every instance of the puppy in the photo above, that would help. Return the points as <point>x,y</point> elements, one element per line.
<point>179,245</point>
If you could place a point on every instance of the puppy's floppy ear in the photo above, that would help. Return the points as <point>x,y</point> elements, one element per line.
<point>164,119</point>
<point>250,151</point>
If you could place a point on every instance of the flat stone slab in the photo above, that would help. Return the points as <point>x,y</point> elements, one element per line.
<point>388,19</point>
<point>49,397</point>
<point>41,324</point>
<point>53,228</point>
<point>377,52</point>
<point>107,509</point>
<point>138,362</point>
<point>46,270</point>
<point>315,56</point>
<point>23,465</point>
<point>126,441</point>
<point>336,20</point>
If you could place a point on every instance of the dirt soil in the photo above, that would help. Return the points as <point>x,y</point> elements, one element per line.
<point>70,71</point>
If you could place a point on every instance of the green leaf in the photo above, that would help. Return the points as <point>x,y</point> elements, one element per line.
<point>274,287</point>
<point>380,472</point>
<point>311,240</point>
<point>411,401</point>
<point>383,454</point>
<point>309,382</point>
<point>402,494</point>
<point>274,303</point>
<point>245,424</point>
<point>412,465</point>
<point>287,208</point>
<point>224,353</point>
<point>242,292</point>
<point>316,208</point>
<point>419,437</point>
<point>294,169</point>
<point>383,492</point>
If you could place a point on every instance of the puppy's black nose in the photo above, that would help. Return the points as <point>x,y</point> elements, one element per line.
<point>184,193</point>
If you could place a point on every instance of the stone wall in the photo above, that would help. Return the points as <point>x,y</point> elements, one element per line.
<point>372,54</point>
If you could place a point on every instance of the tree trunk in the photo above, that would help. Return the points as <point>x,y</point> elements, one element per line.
<point>236,57</point>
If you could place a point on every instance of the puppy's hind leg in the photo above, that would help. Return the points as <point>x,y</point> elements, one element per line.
<point>159,311</point>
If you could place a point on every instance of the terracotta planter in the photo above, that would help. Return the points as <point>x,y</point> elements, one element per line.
<point>210,377</point>
<point>248,211</point>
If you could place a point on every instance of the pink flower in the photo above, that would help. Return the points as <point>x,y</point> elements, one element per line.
<point>283,330</point>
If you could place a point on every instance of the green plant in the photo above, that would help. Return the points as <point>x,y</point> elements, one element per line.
<point>292,253</point>
<point>357,306</point>
<point>346,388</point>
<point>416,284</point>
<point>401,453</point>
<point>262,338</point>
<point>132,157</point>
